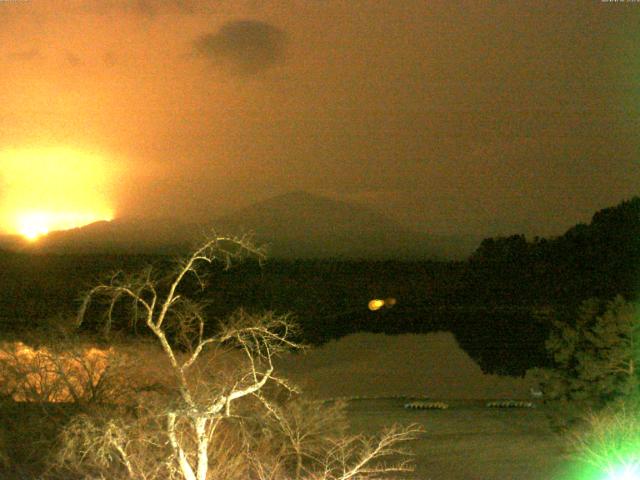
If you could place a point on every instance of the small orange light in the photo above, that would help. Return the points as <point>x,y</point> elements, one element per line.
<point>376,304</point>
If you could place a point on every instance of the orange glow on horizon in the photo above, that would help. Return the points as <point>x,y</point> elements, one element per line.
<point>52,189</point>
<point>33,225</point>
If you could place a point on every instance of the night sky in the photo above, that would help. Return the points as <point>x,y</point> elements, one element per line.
<point>450,117</point>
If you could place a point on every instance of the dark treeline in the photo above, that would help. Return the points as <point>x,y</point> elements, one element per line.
<point>499,303</point>
<point>601,259</point>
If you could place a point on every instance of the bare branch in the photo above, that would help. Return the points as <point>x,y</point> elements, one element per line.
<point>359,456</point>
<point>194,356</point>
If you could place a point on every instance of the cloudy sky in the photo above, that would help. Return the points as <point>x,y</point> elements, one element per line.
<point>450,116</point>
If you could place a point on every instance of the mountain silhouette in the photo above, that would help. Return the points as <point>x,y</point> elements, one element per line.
<point>293,225</point>
<point>122,235</point>
<point>301,225</point>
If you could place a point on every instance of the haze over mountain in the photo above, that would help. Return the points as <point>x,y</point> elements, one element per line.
<point>294,225</point>
<point>302,225</point>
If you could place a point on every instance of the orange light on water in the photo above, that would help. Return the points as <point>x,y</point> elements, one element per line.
<point>52,189</point>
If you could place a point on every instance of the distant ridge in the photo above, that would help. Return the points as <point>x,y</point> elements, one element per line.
<point>297,224</point>
<point>127,235</point>
<point>303,225</point>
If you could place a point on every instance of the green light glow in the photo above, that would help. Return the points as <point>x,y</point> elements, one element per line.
<point>606,446</point>
<point>625,472</point>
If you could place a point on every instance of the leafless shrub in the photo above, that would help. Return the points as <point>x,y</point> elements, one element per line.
<point>116,443</point>
<point>309,440</point>
<point>302,431</point>
<point>64,372</point>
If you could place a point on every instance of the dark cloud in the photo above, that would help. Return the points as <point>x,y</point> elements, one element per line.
<point>246,46</point>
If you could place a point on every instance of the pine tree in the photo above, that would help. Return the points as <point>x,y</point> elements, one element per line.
<point>595,358</point>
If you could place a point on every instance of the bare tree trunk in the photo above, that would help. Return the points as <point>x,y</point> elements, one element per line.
<point>298,461</point>
<point>185,468</point>
<point>203,447</point>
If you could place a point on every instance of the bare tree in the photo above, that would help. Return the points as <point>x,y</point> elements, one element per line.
<point>259,337</point>
<point>193,419</point>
